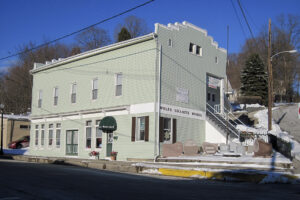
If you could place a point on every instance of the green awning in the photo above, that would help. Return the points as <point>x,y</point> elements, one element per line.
<point>108,124</point>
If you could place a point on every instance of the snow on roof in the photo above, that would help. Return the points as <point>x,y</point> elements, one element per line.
<point>17,117</point>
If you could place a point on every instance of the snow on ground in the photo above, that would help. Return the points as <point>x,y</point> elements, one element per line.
<point>262,127</point>
<point>243,159</point>
<point>251,105</point>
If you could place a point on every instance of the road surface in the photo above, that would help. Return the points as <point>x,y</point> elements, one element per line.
<point>20,180</point>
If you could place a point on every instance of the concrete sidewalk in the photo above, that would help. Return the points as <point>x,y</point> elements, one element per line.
<point>223,172</point>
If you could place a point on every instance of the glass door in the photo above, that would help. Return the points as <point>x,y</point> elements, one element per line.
<point>72,142</point>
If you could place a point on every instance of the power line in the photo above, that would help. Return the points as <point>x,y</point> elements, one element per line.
<point>80,30</point>
<point>239,20</point>
<point>239,3</point>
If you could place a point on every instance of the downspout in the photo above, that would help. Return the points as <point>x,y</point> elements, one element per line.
<point>158,102</point>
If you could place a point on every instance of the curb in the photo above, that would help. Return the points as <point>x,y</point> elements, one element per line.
<point>253,176</point>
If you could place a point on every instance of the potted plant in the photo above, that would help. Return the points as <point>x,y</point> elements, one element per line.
<point>113,155</point>
<point>94,154</point>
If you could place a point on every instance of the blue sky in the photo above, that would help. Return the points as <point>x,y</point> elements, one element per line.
<point>22,21</point>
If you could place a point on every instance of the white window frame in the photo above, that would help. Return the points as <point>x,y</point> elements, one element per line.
<point>95,88</point>
<point>58,128</point>
<point>72,92</point>
<point>97,123</point>
<point>50,130</point>
<point>171,131</point>
<point>200,50</point>
<point>116,84</point>
<point>138,130</point>
<point>85,132</point>
<point>55,96</point>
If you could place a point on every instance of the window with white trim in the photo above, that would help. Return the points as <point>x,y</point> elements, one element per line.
<point>167,128</point>
<point>198,50</point>
<point>40,97</point>
<point>73,92</point>
<point>88,134</point>
<point>98,135</point>
<point>36,135</point>
<point>140,129</point>
<point>57,134</point>
<point>50,136</point>
<point>119,78</point>
<point>95,88</point>
<point>216,60</point>
<point>55,96</point>
<point>42,135</point>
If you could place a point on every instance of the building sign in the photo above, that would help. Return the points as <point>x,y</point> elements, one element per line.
<point>213,82</point>
<point>182,112</point>
<point>182,95</point>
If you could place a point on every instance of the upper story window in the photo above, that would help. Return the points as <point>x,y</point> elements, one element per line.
<point>191,48</point>
<point>195,49</point>
<point>73,92</point>
<point>119,78</point>
<point>40,95</point>
<point>55,96</point>
<point>170,43</point>
<point>198,50</point>
<point>216,59</point>
<point>95,88</point>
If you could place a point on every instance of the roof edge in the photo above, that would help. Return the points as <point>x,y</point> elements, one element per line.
<point>95,52</point>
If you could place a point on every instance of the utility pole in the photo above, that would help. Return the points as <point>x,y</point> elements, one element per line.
<point>270,82</point>
<point>227,64</point>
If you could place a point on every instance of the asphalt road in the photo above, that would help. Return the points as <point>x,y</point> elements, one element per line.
<point>287,118</point>
<point>20,180</point>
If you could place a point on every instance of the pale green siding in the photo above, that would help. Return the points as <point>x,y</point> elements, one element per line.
<point>182,69</point>
<point>136,63</point>
<point>122,144</point>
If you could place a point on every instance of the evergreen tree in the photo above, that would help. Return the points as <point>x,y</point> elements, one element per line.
<point>123,35</point>
<point>254,78</point>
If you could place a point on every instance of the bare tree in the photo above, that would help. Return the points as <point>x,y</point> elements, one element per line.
<point>285,36</point>
<point>92,38</point>
<point>135,26</point>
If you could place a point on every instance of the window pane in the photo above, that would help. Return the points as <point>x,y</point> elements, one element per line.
<point>40,94</point>
<point>74,88</point>
<point>42,137</point>
<point>36,137</point>
<point>191,47</point>
<point>98,138</point>
<point>88,123</point>
<point>75,137</point>
<point>56,92</point>
<point>119,79</point>
<point>95,84</point>
<point>50,137</point>
<point>58,138</point>
<point>118,90</point>
<point>69,137</point>
<point>58,125</point>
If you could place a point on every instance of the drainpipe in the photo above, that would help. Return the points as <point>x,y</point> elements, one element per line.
<point>158,102</point>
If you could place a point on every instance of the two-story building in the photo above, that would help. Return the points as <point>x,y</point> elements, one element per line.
<point>157,87</point>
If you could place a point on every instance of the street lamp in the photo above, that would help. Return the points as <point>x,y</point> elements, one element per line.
<point>270,90</point>
<point>2,110</point>
<point>290,51</point>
